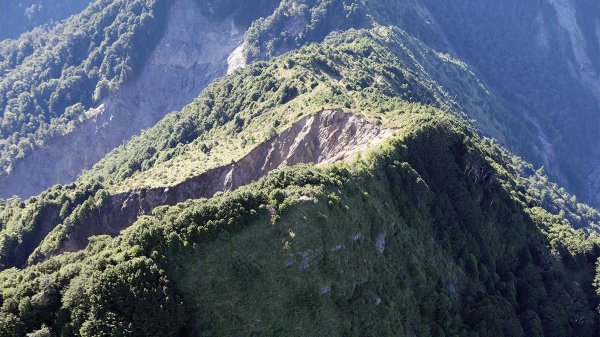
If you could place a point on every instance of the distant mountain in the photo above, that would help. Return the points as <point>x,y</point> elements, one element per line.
<point>540,60</point>
<point>18,17</point>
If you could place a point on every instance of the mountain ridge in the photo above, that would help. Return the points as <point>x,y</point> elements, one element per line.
<point>169,247</point>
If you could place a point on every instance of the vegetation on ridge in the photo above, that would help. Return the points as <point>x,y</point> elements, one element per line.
<point>21,16</point>
<point>410,235</point>
<point>541,109</point>
<point>377,73</point>
<point>228,120</point>
<point>238,112</point>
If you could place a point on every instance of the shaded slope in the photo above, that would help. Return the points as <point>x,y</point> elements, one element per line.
<point>388,253</point>
<point>538,64</point>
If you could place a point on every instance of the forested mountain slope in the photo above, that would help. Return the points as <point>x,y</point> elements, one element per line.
<point>407,241</point>
<point>231,118</point>
<point>351,176</point>
<point>72,94</point>
<point>539,59</point>
<point>425,228</point>
<point>20,16</point>
<point>542,59</point>
<point>51,79</point>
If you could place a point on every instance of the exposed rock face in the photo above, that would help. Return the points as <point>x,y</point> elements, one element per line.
<point>326,137</point>
<point>236,59</point>
<point>582,68</point>
<point>193,52</point>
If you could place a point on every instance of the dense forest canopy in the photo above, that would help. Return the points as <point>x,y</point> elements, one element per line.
<point>507,262</point>
<point>424,191</point>
<point>21,16</point>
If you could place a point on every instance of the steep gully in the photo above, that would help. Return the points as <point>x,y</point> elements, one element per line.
<point>191,54</point>
<point>327,137</point>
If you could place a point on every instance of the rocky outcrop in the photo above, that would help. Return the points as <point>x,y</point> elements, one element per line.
<point>192,53</point>
<point>327,137</point>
